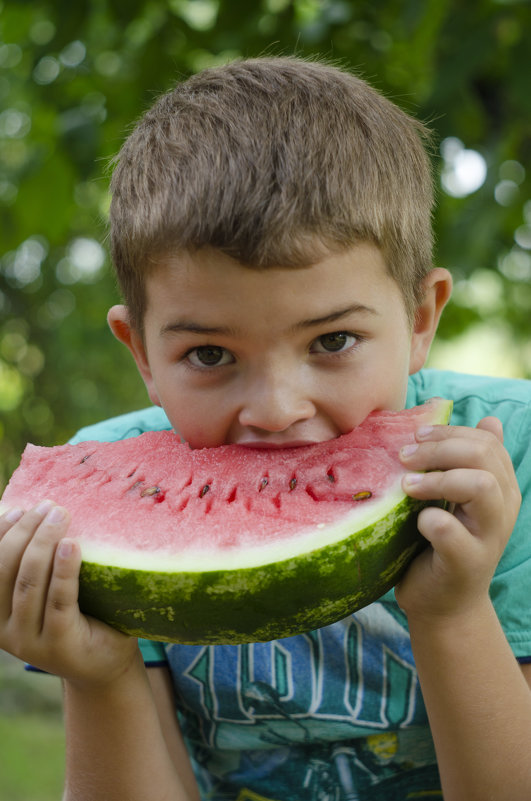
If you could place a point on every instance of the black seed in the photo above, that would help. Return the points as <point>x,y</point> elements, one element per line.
<point>362,496</point>
<point>263,484</point>
<point>204,491</point>
<point>293,483</point>
<point>331,477</point>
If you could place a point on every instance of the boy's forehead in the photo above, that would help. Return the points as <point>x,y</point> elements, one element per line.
<point>210,265</point>
<point>203,282</point>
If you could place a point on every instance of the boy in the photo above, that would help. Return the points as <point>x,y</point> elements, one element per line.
<point>271,234</point>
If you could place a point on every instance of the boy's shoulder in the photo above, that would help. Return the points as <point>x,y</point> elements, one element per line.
<point>465,389</point>
<point>475,397</point>
<point>124,426</point>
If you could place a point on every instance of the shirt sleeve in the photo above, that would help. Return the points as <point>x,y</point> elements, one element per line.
<point>153,653</point>
<point>510,588</point>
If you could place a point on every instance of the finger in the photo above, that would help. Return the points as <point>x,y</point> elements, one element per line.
<point>454,551</point>
<point>476,492</point>
<point>8,517</point>
<point>486,427</point>
<point>493,425</point>
<point>61,603</point>
<point>443,532</point>
<point>31,585</point>
<point>18,531</point>
<point>460,448</point>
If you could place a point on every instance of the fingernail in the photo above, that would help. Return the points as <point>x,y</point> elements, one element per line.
<point>412,479</point>
<point>44,507</point>
<point>424,431</point>
<point>55,515</point>
<point>408,450</point>
<point>65,548</point>
<point>13,515</point>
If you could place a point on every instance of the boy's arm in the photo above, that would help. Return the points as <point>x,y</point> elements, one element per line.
<point>161,687</point>
<point>526,672</point>
<point>116,749</point>
<point>476,695</point>
<point>479,707</point>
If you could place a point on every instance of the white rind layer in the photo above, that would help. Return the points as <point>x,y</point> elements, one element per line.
<point>363,515</point>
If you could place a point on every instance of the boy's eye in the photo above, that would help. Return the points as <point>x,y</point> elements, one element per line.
<point>331,343</point>
<point>208,356</point>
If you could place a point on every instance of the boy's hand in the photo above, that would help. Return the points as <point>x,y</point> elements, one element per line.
<point>474,474</point>
<point>40,621</point>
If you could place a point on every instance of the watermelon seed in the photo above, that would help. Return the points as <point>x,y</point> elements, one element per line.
<point>331,477</point>
<point>204,491</point>
<point>232,496</point>
<point>84,459</point>
<point>149,491</point>
<point>292,483</point>
<point>362,496</point>
<point>263,484</point>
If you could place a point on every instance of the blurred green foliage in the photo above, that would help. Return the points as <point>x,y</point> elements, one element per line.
<point>73,77</point>
<point>31,734</point>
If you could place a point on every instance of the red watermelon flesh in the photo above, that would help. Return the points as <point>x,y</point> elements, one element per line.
<point>154,494</point>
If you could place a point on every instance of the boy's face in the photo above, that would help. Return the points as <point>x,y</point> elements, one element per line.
<point>276,357</point>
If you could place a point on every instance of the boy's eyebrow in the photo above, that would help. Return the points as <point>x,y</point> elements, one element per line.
<point>196,328</point>
<point>356,308</point>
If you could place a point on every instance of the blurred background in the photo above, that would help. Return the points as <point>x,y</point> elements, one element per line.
<point>75,75</point>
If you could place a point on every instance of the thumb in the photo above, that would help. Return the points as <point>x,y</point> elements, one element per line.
<point>493,425</point>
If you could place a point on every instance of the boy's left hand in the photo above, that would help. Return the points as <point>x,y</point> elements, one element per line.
<point>472,471</point>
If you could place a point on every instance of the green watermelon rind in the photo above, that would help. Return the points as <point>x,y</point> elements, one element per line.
<point>263,602</point>
<point>276,588</point>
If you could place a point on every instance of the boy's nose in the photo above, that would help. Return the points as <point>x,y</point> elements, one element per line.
<point>276,403</point>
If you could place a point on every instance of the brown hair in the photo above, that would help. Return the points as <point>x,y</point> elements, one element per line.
<point>272,161</point>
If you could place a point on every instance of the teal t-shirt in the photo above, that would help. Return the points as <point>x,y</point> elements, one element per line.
<point>337,713</point>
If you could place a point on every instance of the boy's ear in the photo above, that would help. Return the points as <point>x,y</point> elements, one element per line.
<point>120,324</point>
<point>437,286</point>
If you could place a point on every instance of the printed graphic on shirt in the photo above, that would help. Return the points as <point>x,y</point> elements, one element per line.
<point>318,716</point>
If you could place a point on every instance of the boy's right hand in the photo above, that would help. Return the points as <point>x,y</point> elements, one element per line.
<point>40,620</point>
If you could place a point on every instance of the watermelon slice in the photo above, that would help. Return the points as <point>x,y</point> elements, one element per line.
<point>233,544</point>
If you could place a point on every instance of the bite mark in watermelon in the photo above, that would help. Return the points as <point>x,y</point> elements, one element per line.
<point>232,544</point>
